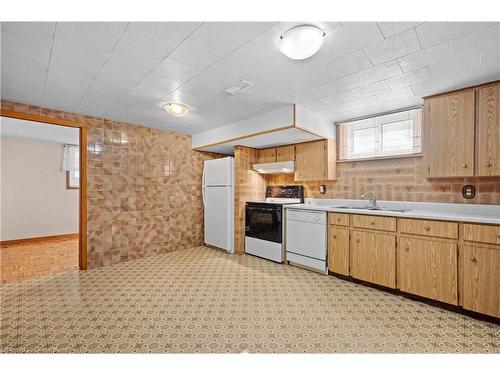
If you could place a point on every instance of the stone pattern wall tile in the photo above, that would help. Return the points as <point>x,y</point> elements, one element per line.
<point>143,188</point>
<point>396,180</point>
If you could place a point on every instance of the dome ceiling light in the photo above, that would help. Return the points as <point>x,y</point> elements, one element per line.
<point>177,109</point>
<point>301,42</point>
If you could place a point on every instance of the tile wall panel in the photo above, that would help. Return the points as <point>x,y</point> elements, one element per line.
<point>144,188</point>
<point>396,180</point>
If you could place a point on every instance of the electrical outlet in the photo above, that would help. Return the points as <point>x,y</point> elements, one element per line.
<point>322,189</point>
<point>468,191</point>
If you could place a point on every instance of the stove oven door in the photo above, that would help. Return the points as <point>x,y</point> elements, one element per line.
<point>264,221</point>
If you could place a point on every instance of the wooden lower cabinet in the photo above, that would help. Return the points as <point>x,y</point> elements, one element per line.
<point>338,250</point>
<point>373,257</point>
<point>481,286</point>
<point>428,268</point>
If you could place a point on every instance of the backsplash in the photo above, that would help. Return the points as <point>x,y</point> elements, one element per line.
<point>143,188</point>
<point>396,179</point>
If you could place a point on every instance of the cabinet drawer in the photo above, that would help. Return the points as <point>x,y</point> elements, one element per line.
<point>374,222</point>
<point>482,233</point>
<point>431,228</point>
<point>338,219</point>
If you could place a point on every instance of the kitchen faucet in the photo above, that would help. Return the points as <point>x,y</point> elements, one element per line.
<point>372,198</point>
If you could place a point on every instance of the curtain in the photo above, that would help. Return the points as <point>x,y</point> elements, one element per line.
<point>71,158</point>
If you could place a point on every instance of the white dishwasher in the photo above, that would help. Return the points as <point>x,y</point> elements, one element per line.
<point>306,239</point>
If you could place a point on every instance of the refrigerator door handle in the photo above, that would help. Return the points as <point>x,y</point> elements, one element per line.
<point>203,188</point>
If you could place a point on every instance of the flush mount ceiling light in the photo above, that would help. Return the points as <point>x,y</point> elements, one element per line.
<point>177,109</point>
<point>301,42</point>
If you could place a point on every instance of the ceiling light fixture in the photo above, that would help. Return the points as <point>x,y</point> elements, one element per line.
<point>301,42</point>
<point>177,109</point>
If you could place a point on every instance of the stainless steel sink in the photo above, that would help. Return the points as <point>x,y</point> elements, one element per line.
<point>372,208</point>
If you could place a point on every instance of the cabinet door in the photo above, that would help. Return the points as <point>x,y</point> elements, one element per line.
<point>488,140</point>
<point>310,158</point>
<point>338,250</point>
<point>481,286</point>
<point>449,132</point>
<point>428,268</point>
<point>285,153</point>
<point>267,155</point>
<point>373,257</point>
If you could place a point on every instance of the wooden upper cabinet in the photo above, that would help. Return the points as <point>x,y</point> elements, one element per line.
<point>267,155</point>
<point>488,132</point>
<point>449,134</point>
<point>285,153</point>
<point>315,161</point>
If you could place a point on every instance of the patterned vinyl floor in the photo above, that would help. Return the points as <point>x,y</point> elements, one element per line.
<point>203,300</point>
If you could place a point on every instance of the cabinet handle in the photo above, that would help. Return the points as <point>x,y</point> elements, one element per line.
<point>372,223</point>
<point>427,228</point>
<point>407,248</point>
<point>357,240</point>
<point>473,259</point>
<point>488,164</point>
<point>464,165</point>
<point>334,236</point>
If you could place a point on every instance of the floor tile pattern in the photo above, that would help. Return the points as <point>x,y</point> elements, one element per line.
<point>203,300</point>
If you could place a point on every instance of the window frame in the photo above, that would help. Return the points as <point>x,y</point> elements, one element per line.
<point>344,136</point>
<point>69,185</point>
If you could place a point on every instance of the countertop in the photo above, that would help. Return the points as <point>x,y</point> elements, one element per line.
<point>471,213</point>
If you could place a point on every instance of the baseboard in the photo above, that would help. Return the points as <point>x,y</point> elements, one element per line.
<point>22,241</point>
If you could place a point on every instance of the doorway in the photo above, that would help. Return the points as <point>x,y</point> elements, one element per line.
<point>43,191</point>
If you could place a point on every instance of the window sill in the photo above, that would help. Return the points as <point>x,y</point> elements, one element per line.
<point>419,155</point>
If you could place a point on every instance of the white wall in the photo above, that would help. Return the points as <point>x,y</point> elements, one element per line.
<point>34,198</point>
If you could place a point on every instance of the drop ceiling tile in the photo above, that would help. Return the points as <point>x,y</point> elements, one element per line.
<point>353,36</point>
<point>399,45</point>
<point>38,31</point>
<point>378,73</point>
<point>455,66</point>
<point>476,41</point>
<point>349,64</point>
<point>408,79</point>
<point>224,37</point>
<point>155,89</point>
<point>141,43</point>
<point>432,87</point>
<point>372,89</point>
<point>340,98</point>
<point>23,93</point>
<point>194,55</point>
<point>175,71</point>
<point>99,36</point>
<point>432,33</point>
<point>23,69</point>
<point>165,30</point>
<point>78,56</point>
<point>210,82</point>
<point>392,28</point>
<point>25,46</point>
<point>65,77</point>
<point>429,56</point>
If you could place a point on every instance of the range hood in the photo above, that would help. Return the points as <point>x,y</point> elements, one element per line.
<point>278,167</point>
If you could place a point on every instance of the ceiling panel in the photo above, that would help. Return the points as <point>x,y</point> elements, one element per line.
<point>128,71</point>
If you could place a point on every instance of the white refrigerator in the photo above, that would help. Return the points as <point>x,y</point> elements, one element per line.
<point>218,201</point>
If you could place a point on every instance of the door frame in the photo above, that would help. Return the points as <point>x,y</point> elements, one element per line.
<point>82,252</point>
